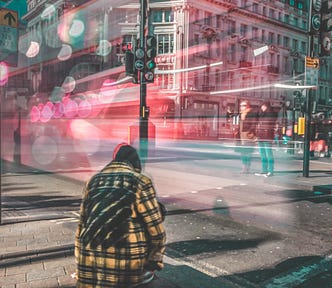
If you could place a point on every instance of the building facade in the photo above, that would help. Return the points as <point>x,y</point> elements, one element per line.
<point>210,54</point>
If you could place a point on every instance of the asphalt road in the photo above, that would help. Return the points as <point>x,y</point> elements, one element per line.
<point>253,231</point>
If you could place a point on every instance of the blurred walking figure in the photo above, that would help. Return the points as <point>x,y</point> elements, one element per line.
<point>266,127</point>
<point>120,239</point>
<point>247,129</point>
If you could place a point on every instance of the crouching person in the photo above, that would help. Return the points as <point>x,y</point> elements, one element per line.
<point>120,239</point>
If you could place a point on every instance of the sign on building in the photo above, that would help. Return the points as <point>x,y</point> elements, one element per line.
<point>8,36</point>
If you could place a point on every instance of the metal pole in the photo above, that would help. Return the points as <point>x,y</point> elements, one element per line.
<point>308,108</point>
<point>144,113</point>
<point>307,136</point>
<point>1,162</point>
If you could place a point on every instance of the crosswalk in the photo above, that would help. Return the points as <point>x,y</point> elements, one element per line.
<point>67,219</point>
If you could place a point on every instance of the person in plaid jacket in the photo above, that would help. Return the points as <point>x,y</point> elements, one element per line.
<point>120,238</point>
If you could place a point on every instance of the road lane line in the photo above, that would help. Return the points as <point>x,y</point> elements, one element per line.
<point>300,275</point>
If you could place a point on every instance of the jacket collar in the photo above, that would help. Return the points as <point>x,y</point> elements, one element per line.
<point>117,165</point>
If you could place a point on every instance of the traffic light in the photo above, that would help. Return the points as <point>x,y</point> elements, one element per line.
<point>316,18</point>
<point>130,63</point>
<point>299,101</point>
<point>150,64</point>
<point>301,126</point>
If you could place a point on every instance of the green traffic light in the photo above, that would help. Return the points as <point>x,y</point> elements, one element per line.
<point>151,64</point>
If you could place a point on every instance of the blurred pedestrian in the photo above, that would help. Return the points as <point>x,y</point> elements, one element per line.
<point>120,239</point>
<point>266,127</point>
<point>247,129</point>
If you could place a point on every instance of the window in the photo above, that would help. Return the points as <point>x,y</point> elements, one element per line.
<point>295,44</point>
<point>285,65</point>
<point>304,24</point>
<point>219,21</point>
<point>231,53</point>
<point>165,43</point>
<point>271,38</point>
<point>271,13</point>
<point>279,39</point>
<point>263,35</point>
<point>286,42</point>
<point>264,11</point>
<point>207,19</point>
<point>286,18</point>
<point>243,30</point>
<point>300,5</point>
<point>303,47</point>
<point>254,33</point>
<point>255,7</point>
<point>157,16</point>
<point>162,16</point>
<point>244,54</point>
<point>231,27</point>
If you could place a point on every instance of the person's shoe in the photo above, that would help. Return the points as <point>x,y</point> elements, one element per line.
<point>261,174</point>
<point>269,174</point>
<point>147,278</point>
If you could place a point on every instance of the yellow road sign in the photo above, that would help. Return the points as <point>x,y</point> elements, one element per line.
<point>8,18</point>
<point>312,62</point>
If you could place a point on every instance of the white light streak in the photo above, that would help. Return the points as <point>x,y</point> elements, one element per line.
<point>187,69</point>
<point>240,89</point>
<point>123,80</point>
<point>287,86</point>
<point>276,85</point>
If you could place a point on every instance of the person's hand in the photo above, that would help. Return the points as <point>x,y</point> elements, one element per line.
<point>152,266</point>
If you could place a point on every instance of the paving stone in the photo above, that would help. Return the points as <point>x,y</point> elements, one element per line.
<point>45,274</point>
<point>24,268</point>
<point>67,281</point>
<point>8,286</point>
<point>32,242</point>
<point>13,279</point>
<point>51,263</point>
<point>13,238</point>
<point>45,283</point>
<point>12,249</point>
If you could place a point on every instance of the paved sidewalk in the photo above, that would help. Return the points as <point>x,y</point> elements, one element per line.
<point>38,251</point>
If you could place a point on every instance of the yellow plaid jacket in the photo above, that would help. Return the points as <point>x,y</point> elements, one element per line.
<point>122,264</point>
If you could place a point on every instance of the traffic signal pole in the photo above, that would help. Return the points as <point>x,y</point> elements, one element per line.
<point>308,107</point>
<point>144,113</point>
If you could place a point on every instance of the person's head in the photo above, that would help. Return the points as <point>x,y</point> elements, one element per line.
<point>265,106</point>
<point>127,154</point>
<point>244,105</point>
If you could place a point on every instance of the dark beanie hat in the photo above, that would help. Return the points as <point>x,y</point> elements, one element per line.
<point>126,153</point>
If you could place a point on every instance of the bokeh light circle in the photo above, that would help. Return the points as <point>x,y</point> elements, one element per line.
<point>33,49</point>
<point>44,150</point>
<point>69,84</point>
<point>104,48</point>
<point>65,52</point>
